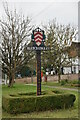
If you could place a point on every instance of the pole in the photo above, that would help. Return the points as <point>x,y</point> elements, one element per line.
<point>38,57</point>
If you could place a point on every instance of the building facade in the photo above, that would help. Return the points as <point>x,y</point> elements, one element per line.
<point>74,55</point>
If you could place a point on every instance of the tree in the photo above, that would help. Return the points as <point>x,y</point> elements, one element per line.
<point>59,38</point>
<point>15,32</point>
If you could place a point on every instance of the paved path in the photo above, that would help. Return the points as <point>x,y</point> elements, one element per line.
<point>71,89</point>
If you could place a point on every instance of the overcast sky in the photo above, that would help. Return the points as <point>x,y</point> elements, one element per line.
<point>43,12</point>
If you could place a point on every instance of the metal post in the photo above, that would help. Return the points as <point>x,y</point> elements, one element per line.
<point>38,57</point>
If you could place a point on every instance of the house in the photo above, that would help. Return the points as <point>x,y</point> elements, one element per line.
<point>74,56</point>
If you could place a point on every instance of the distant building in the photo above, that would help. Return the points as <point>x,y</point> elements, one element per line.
<point>74,66</point>
<point>74,55</point>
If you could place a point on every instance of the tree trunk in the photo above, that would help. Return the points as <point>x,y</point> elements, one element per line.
<point>59,78</point>
<point>11,79</point>
<point>59,74</point>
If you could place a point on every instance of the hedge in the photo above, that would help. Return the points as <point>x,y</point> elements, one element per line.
<point>28,104</point>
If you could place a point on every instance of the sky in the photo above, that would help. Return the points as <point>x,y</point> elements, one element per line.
<point>43,12</point>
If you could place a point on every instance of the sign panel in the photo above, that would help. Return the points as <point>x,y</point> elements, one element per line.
<point>37,48</point>
<point>38,37</point>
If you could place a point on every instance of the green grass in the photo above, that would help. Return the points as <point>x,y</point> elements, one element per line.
<point>21,88</point>
<point>17,88</point>
<point>68,85</point>
<point>69,113</point>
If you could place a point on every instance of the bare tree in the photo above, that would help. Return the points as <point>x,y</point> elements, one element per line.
<point>15,31</point>
<point>59,39</point>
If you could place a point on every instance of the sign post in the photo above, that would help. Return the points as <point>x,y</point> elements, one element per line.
<point>38,57</point>
<point>38,39</point>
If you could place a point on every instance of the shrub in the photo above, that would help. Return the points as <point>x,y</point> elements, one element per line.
<point>66,80</point>
<point>74,82</point>
<point>63,82</point>
<point>37,103</point>
<point>78,81</point>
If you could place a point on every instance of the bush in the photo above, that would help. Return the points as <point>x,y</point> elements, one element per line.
<point>37,103</point>
<point>63,82</point>
<point>75,82</point>
<point>78,81</point>
<point>66,80</point>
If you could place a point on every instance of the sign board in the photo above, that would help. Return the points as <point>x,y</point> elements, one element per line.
<point>38,39</point>
<point>37,48</point>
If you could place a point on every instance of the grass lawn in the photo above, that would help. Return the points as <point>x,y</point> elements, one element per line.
<point>69,84</point>
<point>21,88</point>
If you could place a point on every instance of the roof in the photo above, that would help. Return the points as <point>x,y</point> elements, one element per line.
<point>74,49</point>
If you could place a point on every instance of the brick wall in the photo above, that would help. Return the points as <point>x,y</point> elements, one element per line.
<point>26,80</point>
<point>49,78</point>
<point>63,77</point>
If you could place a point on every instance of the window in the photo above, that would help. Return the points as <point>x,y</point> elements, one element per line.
<point>74,69</point>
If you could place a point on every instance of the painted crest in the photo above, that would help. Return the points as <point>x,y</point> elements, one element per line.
<point>38,37</point>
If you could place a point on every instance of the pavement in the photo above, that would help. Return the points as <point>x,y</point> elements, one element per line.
<point>72,89</point>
